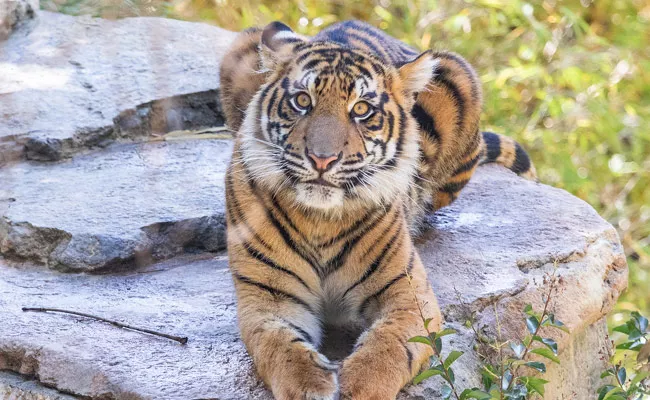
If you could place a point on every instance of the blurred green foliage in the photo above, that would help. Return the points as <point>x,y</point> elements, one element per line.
<point>569,79</point>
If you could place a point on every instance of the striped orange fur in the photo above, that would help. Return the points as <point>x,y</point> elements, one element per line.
<point>343,142</point>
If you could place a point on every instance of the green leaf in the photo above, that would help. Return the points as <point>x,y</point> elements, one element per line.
<point>453,356</point>
<point>452,376</point>
<point>550,343</point>
<point>641,322</point>
<point>489,376</point>
<point>518,348</point>
<point>621,375</point>
<point>614,394</point>
<point>609,372</point>
<point>427,322</point>
<point>540,366</point>
<point>622,329</point>
<point>534,385</point>
<point>445,392</point>
<point>507,378</point>
<point>474,393</point>
<point>556,323</point>
<point>603,390</point>
<point>528,309</point>
<point>544,352</point>
<point>445,332</point>
<point>434,360</point>
<point>438,343</point>
<point>425,375</point>
<point>420,339</point>
<point>532,323</point>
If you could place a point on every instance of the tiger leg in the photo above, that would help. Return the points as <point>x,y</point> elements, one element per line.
<point>281,337</point>
<point>460,177</point>
<point>383,360</point>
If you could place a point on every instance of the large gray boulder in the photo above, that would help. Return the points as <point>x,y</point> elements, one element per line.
<point>73,83</point>
<point>491,248</point>
<point>126,206</point>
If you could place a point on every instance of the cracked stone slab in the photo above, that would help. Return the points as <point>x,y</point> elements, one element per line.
<point>125,206</point>
<point>72,83</point>
<point>16,387</point>
<point>486,253</point>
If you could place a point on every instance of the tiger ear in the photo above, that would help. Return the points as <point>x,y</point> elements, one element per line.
<point>417,73</point>
<point>277,44</point>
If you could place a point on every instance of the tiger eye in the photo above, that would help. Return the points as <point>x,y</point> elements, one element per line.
<point>303,100</point>
<point>360,109</point>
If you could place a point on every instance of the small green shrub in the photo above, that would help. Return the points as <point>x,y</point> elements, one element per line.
<point>633,352</point>
<point>508,379</point>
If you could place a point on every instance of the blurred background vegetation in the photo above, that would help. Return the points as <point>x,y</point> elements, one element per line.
<point>569,79</point>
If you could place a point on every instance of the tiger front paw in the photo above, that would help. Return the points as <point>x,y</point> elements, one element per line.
<point>308,376</point>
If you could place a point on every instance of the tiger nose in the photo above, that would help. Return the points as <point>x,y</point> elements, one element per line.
<point>323,162</point>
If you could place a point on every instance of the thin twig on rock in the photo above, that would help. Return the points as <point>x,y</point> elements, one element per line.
<point>181,340</point>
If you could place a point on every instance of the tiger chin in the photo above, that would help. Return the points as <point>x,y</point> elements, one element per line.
<point>344,141</point>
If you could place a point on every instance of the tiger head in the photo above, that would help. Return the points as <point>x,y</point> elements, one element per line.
<point>332,126</point>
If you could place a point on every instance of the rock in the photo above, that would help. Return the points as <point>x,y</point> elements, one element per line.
<point>73,83</point>
<point>15,387</point>
<point>125,206</point>
<point>14,13</point>
<point>486,253</point>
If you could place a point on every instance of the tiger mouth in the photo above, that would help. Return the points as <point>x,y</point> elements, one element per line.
<point>322,182</point>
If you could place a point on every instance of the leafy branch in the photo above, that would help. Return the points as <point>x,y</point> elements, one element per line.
<point>502,381</point>
<point>636,385</point>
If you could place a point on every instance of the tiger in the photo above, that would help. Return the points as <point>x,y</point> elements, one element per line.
<point>343,143</point>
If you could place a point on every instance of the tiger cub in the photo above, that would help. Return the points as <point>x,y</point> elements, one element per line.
<point>343,142</point>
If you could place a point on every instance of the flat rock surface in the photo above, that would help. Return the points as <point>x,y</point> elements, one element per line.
<point>64,81</point>
<point>491,247</point>
<point>127,205</point>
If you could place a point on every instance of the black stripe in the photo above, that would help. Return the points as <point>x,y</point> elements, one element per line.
<point>493,146</point>
<point>345,233</point>
<point>426,122</point>
<point>364,304</point>
<point>273,291</point>
<point>454,187</point>
<point>303,332</point>
<point>286,237</point>
<point>469,72</point>
<point>468,165</point>
<point>336,262</point>
<point>522,162</point>
<point>409,357</point>
<point>379,52</point>
<point>383,233</point>
<point>377,262</point>
<point>230,195</point>
<point>270,263</point>
<point>443,78</point>
<point>307,254</point>
<point>295,164</point>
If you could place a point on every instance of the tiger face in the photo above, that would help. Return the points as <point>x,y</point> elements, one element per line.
<point>332,126</point>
